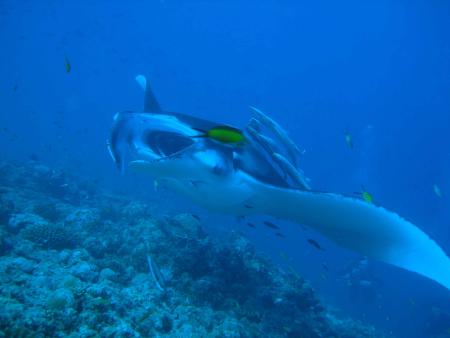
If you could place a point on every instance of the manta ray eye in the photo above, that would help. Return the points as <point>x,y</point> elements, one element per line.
<point>166,143</point>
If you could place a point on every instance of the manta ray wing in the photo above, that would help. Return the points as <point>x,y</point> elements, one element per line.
<point>360,226</point>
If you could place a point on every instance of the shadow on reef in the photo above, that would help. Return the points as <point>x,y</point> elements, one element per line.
<point>79,262</point>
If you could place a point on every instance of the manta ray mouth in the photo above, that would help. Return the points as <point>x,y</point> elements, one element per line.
<point>168,154</point>
<point>166,145</point>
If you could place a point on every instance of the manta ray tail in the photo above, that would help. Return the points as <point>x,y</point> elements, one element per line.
<point>363,227</point>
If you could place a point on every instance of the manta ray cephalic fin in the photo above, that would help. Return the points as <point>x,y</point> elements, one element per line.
<point>151,105</point>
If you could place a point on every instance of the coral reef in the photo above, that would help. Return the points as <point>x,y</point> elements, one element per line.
<point>46,234</point>
<point>104,266</point>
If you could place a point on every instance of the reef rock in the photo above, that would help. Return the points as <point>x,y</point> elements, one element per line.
<point>104,266</point>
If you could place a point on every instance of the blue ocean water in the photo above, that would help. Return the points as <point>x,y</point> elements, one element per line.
<point>379,71</point>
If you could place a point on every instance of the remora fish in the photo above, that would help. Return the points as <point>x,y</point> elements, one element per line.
<point>226,179</point>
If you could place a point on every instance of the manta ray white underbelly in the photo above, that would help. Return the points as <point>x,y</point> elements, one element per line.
<point>264,175</point>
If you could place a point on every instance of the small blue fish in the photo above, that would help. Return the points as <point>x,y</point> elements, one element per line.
<point>348,139</point>
<point>315,244</point>
<point>271,225</point>
<point>437,191</point>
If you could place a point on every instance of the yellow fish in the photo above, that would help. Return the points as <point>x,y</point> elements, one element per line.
<point>367,197</point>
<point>67,64</point>
<point>223,134</point>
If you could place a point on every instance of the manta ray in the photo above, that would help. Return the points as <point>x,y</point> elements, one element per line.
<point>261,175</point>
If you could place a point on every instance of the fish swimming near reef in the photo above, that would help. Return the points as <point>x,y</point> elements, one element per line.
<point>348,139</point>
<point>367,196</point>
<point>67,64</point>
<point>271,225</point>
<point>263,172</point>
<point>315,244</point>
<point>437,190</point>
